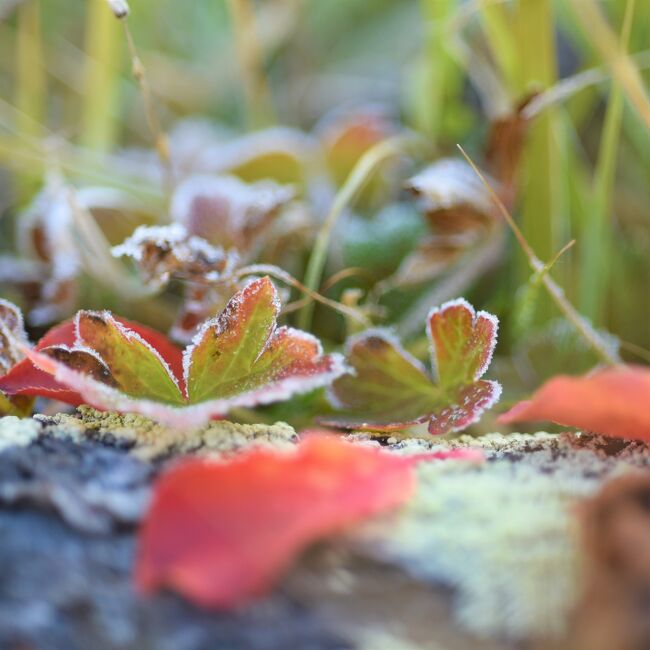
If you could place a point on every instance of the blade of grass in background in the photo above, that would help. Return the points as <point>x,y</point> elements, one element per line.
<point>256,90</point>
<point>103,45</point>
<point>542,220</point>
<point>438,91</point>
<point>597,238</point>
<point>496,21</point>
<point>29,90</point>
<point>623,68</point>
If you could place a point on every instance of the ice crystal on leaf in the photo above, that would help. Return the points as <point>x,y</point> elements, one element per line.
<point>392,390</point>
<point>163,252</point>
<point>240,358</point>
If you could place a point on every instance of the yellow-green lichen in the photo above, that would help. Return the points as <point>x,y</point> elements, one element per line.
<point>151,440</point>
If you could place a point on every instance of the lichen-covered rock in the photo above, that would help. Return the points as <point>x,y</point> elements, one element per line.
<point>150,440</point>
<point>483,557</point>
<point>502,534</point>
<point>16,431</point>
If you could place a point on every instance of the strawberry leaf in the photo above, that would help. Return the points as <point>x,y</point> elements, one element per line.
<point>391,390</point>
<point>239,358</point>
<point>222,533</point>
<point>241,352</point>
<point>610,401</point>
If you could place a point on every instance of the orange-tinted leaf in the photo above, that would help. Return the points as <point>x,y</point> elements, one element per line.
<point>612,401</point>
<point>222,533</point>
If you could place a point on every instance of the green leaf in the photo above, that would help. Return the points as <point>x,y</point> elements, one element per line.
<point>135,367</point>
<point>241,352</point>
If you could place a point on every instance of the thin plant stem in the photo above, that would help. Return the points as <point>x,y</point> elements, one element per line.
<point>605,41</point>
<point>278,273</point>
<point>139,73</point>
<point>582,326</point>
<point>354,183</point>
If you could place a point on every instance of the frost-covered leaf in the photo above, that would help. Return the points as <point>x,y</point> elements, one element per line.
<point>452,196</point>
<point>223,533</point>
<point>227,212</point>
<point>239,358</point>
<point>242,352</point>
<point>163,252</point>
<point>166,252</point>
<point>64,234</point>
<point>392,390</point>
<point>12,337</point>
<point>461,215</point>
<point>62,344</point>
<point>611,401</point>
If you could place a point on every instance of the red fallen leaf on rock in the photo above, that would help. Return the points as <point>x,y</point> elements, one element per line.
<point>221,533</point>
<point>612,402</point>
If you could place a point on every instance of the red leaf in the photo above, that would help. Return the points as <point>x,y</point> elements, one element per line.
<point>221,533</point>
<point>612,402</point>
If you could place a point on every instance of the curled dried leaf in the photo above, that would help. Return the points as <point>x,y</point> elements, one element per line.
<point>163,252</point>
<point>12,335</point>
<point>461,216</point>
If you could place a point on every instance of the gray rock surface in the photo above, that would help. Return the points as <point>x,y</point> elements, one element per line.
<point>483,556</point>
